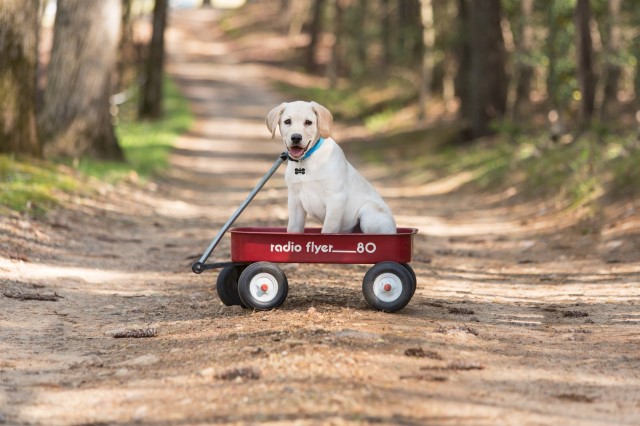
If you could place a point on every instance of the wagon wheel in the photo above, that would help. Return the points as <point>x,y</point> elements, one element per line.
<point>388,286</point>
<point>263,286</point>
<point>227,285</point>
<point>413,275</point>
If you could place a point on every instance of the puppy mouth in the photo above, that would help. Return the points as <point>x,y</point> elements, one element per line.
<point>297,151</point>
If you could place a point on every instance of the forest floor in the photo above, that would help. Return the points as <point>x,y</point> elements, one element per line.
<point>519,317</point>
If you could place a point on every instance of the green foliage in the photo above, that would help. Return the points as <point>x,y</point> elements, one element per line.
<point>27,185</point>
<point>34,186</point>
<point>576,174</point>
<point>146,144</point>
<point>624,158</point>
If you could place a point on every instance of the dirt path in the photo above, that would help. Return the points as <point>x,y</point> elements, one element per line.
<point>518,319</point>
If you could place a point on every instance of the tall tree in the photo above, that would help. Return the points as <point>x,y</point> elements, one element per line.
<point>586,75</point>
<point>361,42</point>
<point>428,44</point>
<point>18,62</point>
<point>314,35</point>
<point>613,70</point>
<point>151,96</point>
<point>334,61</point>
<point>488,80</point>
<point>524,69</point>
<point>409,32</point>
<point>386,34</point>
<point>462,49</point>
<point>75,118</point>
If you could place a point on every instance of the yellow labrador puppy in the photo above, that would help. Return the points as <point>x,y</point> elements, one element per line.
<point>321,182</point>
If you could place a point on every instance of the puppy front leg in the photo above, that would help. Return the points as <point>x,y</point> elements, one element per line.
<point>333,218</point>
<point>297,214</point>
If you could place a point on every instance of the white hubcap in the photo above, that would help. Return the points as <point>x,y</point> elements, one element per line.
<point>263,287</point>
<point>387,287</point>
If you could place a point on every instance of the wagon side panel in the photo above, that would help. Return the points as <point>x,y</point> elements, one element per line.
<point>275,245</point>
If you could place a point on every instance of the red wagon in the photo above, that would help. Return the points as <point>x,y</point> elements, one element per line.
<point>253,279</point>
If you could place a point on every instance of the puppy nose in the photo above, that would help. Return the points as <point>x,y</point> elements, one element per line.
<point>296,138</point>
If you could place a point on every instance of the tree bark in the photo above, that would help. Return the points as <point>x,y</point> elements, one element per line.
<point>18,64</point>
<point>608,109</point>
<point>151,96</point>
<point>314,34</point>
<point>334,62</point>
<point>75,119</point>
<point>409,33</point>
<point>488,85</point>
<point>524,68</point>
<point>386,35</point>
<point>586,75</point>
<point>359,35</point>
<point>462,50</point>
<point>428,43</point>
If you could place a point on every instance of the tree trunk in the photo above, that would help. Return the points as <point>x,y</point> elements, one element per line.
<point>524,68</point>
<point>386,35</point>
<point>463,60</point>
<point>126,45</point>
<point>151,96</point>
<point>314,34</point>
<point>586,76</point>
<point>75,119</point>
<point>18,63</point>
<point>409,33</point>
<point>608,109</point>
<point>359,35</point>
<point>488,83</point>
<point>428,43</point>
<point>334,62</point>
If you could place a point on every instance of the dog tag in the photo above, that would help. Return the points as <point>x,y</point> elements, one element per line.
<point>300,171</point>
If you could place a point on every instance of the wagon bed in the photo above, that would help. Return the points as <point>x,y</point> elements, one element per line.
<point>252,244</point>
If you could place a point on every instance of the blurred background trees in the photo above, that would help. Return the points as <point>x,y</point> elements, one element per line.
<point>494,61</point>
<point>18,61</point>
<point>94,65</point>
<point>75,118</point>
<point>492,65</point>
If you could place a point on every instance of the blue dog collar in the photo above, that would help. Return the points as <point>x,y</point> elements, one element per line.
<point>313,149</point>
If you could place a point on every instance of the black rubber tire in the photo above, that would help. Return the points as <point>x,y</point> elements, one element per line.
<point>402,279</point>
<point>227,285</point>
<point>249,294</point>
<point>413,275</point>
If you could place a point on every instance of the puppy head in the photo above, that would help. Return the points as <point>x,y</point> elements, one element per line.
<point>301,124</point>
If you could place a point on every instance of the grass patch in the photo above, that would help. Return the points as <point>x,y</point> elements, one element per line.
<point>35,186</point>
<point>578,174</point>
<point>146,144</point>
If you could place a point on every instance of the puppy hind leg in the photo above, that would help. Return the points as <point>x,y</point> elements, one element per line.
<point>375,220</point>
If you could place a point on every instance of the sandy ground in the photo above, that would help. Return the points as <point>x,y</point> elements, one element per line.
<point>519,318</point>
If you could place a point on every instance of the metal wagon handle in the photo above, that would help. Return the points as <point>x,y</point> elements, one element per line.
<point>199,266</point>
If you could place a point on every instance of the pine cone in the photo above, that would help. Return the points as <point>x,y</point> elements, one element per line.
<point>137,333</point>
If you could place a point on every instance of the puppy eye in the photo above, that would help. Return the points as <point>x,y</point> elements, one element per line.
<point>287,121</point>
<point>308,123</point>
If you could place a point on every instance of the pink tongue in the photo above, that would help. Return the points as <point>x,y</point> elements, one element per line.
<point>296,151</point>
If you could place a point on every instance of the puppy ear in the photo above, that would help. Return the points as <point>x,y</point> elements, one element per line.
<point>325,119</point>
<point>273,117</point>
